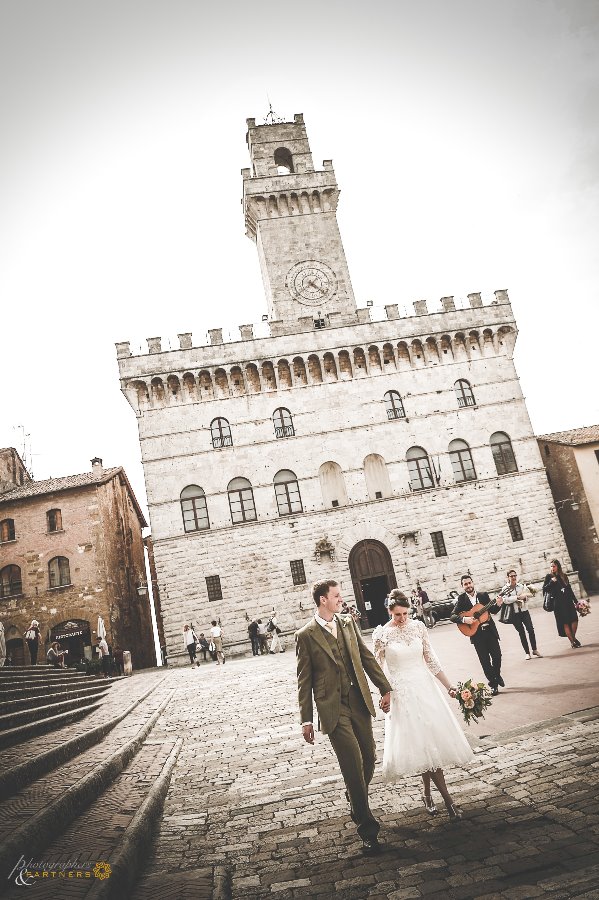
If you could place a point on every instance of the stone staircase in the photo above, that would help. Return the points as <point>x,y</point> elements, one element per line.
<point>36,699</point>
<point>77,792</point>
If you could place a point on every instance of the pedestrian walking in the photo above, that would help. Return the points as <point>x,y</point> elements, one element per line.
<point>481,629</point>
<point>2,646</point>
<point>262,636</point>
<point>513,612</point>
<point>276,644</point>
<point>190,641</point>
<point>422,736</point>
<point>426,605</point>
<point>216,634</point>
<point>104,656</point>
<point>559,598</point>
<point>332,664</point>
<point>253,634</point>
<point>119,664</point>
<point>33,636</point>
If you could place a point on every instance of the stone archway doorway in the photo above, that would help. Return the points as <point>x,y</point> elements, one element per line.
<point>372,577</point>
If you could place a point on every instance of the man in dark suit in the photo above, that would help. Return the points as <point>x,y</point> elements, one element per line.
<point>332,665</point>
<point>485,638</point>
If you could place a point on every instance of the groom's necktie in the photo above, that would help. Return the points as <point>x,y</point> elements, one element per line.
<point>332,627</point>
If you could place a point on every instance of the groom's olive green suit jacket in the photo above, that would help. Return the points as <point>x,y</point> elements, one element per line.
<point>318,672</point>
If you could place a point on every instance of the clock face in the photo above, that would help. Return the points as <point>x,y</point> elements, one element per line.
<point>311,282</point>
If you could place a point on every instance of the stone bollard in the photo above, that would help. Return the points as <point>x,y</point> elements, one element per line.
<point>127,667</point>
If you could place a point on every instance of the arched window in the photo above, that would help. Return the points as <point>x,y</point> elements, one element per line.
<point>461,461</point>
<point>54,520</point>
<point>287,493</point>
<point>10,581</point>
<point>194,509</point>
<point>241,501</point>
<point>419,466</point>
<point>59,571</point>
<point>463,392</point>
<point>283,161</point>
<point>7,530</point>
<point>503,453</point>
<point>394,405</point>
<point>221,433</point>
<point>283,423</point>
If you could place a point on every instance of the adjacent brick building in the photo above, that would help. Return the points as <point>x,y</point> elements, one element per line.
<point>377,452</point>
<point>71,550</point>
<point>572,462</point>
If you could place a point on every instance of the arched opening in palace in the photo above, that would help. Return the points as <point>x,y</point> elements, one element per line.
<point>74,636</point>
<point>373,577</point>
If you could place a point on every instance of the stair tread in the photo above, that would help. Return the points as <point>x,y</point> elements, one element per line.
<point>96,834</point>
<point>22,703</point>
<point>122,694</point>
<point>19,808</point>
<point>40,712</point>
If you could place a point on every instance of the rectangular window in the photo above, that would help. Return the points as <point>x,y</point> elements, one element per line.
<point>515,530</point>
<point>334,503</point>
<point>438,543</point>
<point>214,588</point>
<point>297,571</point>
<point>597,455</point>
<point>378,495</point>
<point>54,520</point>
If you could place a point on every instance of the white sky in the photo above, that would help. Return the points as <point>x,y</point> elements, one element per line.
<point>465,139</point>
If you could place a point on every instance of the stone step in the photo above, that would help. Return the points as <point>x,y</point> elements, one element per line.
<point>36,683</point>
<point>13,736</point>
<point>53,695</point>
<point>115,830</point>
<point>8,673</point>
<point>42,689</point>
<point>42,811</point>
<point>38,712</point>
<point>23,763</point>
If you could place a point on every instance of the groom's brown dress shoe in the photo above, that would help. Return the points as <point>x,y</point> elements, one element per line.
<point>371,846</point>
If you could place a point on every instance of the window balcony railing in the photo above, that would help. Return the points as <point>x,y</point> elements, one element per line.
<point>224,441</point>
<point>283,431</point>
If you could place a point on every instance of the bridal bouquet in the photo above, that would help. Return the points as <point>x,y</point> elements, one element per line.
<point>583,607</point>
<point>473,700</point>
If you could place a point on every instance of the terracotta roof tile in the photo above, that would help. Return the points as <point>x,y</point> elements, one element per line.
<point>53,485</point>
<point>587,435</point>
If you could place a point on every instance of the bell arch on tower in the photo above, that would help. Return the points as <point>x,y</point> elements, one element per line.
<point>284,161</point>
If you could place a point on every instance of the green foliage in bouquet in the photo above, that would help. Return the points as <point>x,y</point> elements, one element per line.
<point>473,700</point>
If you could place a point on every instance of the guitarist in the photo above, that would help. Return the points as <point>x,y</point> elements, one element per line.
<point>485,638</point>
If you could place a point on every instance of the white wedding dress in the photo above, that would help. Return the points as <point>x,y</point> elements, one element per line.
<point>421,731</point>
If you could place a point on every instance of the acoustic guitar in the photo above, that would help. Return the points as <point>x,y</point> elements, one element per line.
<point>480,614</point>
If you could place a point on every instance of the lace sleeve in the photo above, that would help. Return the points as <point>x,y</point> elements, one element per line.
<point>430,657</point>
<point>378,645</point>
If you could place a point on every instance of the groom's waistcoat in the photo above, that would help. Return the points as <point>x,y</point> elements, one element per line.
<point>342,658</point>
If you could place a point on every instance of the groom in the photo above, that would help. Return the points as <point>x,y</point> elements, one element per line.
<point>332,664</point>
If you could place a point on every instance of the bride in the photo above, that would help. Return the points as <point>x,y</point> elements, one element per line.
<point>422,736</point>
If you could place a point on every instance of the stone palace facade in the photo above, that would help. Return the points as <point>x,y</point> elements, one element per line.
<point>376,452</point>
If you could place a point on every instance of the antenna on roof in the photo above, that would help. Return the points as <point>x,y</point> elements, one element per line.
<point>271,117</point>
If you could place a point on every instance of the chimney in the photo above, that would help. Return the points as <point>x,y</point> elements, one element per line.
<point>97,467</point>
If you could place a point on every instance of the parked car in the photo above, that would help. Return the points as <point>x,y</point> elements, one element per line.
<point>442,609</point>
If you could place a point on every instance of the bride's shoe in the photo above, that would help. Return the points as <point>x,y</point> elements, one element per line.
<point>454,813</point>
<point>429,805</point>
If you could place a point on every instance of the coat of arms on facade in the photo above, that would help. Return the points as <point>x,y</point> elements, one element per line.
<point>325,549</point>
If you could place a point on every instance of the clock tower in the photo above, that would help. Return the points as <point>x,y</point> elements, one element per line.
<point>290,212</point>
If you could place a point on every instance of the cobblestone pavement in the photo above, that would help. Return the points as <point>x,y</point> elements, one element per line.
<point>249,795</point>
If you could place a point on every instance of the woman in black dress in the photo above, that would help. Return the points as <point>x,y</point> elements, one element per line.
<point>556,584</point>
